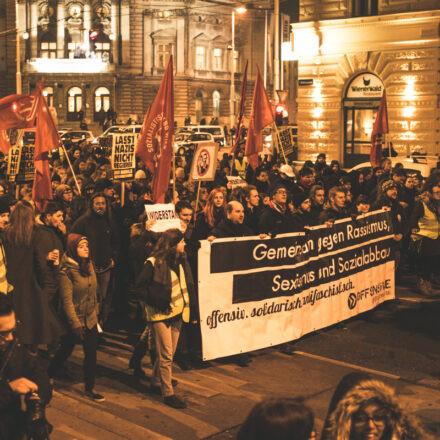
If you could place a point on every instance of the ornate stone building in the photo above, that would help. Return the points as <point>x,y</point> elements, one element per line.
<point>348,52</point>
<point>101,54</point>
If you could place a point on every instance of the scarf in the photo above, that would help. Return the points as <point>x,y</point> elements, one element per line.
<point>281,208</point>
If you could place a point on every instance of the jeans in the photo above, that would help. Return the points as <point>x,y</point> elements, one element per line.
<point>104,295</point>
<point>90,346</point>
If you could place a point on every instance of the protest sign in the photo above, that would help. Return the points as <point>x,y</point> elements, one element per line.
<point>235,181</point>
<point>26,170</point>
<point>165,216</point>
<point>285,141</point>
<point>123,157</point>
<point>204,162</point>
<point>255,293</point>
<point>13,163</point>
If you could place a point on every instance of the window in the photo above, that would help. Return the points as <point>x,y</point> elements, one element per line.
<point>48,49</point>
<point>75,51</point>
<point>200,58</point>
<point>102,102</point>
<point>363,8</point>
<point>74,103</point>
<point>164,52</point>
<point>48,94</point>
<point>218,59</point>
<point>102,51</point>
<point>216,104</point>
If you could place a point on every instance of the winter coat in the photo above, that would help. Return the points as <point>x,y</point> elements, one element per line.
<point>102,235</point>
<point>401,426</point>
<point>302,219</point>
<point>275,222</point>
<point>331,214</point>
<point>21,364</point>
<point>227,229</point>
<point>252,217</point>
<point>78,295</point>
<point>39,325</point>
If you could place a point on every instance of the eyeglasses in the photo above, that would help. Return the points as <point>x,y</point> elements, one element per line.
<point>281,191</point>
<point>378,418</point>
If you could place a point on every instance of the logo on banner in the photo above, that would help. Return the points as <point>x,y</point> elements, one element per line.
<point>25,108</point>
<point>157,136</point>
<point>352,301</point>
<point>203,162</point>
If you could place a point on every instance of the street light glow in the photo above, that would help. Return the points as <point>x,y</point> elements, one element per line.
<point>240,10</point>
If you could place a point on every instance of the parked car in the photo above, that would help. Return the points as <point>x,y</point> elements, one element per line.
<point>75,137</point>
<point>102,139</point>
<point>183,142</point>
<point>412,164</point>
<point>216,130</point>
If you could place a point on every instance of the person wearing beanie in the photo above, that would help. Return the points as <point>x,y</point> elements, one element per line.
<point>105,186</point>
<point>64,196</point>
<point>276,218</point>
<point>78,295</point>
<point>302,217</point>
<point>98,226</point>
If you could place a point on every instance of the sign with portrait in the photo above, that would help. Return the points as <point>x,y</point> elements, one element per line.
<point>204,162</point>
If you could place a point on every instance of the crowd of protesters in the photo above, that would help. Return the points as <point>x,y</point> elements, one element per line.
<point>90,261</point>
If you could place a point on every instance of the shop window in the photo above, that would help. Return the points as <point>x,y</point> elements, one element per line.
<point>102,103</point>
<point>48,94</point>
<point>216,104</point>
<point>74,103</point>
<point>217,59</point>
<point>200,58</point>
<point>163,52</point>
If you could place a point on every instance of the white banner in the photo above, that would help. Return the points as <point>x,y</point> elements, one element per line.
<point>165,216</point>
<point>256,293</point>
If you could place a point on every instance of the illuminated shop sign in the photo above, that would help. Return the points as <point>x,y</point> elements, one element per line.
<point>365,85</point>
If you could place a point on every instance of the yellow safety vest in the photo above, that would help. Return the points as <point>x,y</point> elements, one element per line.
<point>429,225</point>
<point>179,298</point>
<point>241,167</point>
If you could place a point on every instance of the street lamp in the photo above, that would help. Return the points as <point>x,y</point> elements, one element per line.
<point>238,10</point>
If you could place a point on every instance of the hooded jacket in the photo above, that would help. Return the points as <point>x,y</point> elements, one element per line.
<point>401,426</point>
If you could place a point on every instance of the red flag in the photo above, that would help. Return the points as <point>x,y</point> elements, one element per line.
<point>380,127</point>
<point>18,111</point>
<point>154,145</point>
<point>261,115</point>
<point>4,143</point>
<point>241,110</point>
<point>46,138</point>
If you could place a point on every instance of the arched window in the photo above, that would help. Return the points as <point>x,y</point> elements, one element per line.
<point>216,104</point>
<point>48,94</point>
<point>74,103</point>
<point>102,103</point>
<point>199,105</point>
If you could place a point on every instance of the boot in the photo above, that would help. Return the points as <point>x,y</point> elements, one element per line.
<point>136,359</point>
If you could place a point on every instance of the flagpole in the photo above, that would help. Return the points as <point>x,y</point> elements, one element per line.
<point>122,194</point>
<point>71,168</point>
<point>277,134</point>
<point>197,199</point>
<point>174,170</point>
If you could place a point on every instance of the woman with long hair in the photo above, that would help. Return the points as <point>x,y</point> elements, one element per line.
<point>22,243</point>
<point>166,278</point>
<point>78,287</point>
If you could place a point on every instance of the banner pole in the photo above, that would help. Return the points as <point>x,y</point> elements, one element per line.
<point>197,199</point>
<point>17,191</point>
<point>71,168</point>
<point>174,170</point>
<point>122,194</point>
<point>277,134</point>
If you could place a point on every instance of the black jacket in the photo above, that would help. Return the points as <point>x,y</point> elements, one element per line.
<point>251,218</point>
<point>274,222</point>
<point>302,219</point>
<point>20,364</point>
<point>331,214</point>
<point>227,229</point>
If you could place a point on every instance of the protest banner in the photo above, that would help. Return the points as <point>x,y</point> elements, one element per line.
<point>285,142</point>
<point>123,157</point>
<point>204,162</point>
<point>26,170</point>
<point>13,162</point>
<point>255,293</point>
<point>165,216</point>
<point>235,181</point>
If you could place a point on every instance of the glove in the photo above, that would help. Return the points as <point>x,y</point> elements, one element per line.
<point>79,333</point>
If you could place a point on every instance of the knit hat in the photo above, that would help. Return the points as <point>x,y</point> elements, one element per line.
<point>102,184</point>
<point>4,205</point>
<point>299,198</point>
<point>73,240</point>
<point>275,188</point>
<point>61,189</point>
<point>388,184</point>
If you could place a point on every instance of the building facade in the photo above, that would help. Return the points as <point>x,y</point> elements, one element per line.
<point>348,53</point>
<point>96,55</point>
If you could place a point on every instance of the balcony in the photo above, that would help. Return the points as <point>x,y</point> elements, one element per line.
<point>67,65</point>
